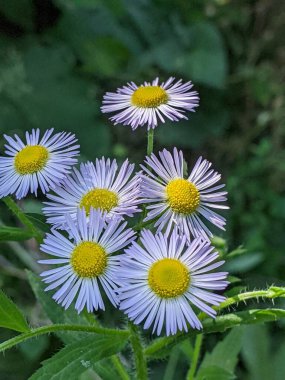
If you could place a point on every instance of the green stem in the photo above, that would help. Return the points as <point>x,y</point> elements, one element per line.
<point>59,327</point>
<point>120,368</point>
<point>220,324</point>
<point>140,359</point>
<point>271,293</point>
<point>195,357</point>
<point>16,210</point>
<point>150,136</point>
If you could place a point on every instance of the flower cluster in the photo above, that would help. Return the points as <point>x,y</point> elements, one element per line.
<point>163,274</point>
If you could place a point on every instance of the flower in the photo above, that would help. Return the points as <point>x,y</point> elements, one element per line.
<point>40,163</point>
<point>150,102</point>
<point>100,186</point>
<point>84,261</point>
<point>161,277</point>
<point>179,201</point>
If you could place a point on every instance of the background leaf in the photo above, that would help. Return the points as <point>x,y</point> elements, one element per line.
<point>256,352</point>
<point>278,364</point>
<point>215,373</point>
<point>10,316</point>
<point>224,355</point>
<point>14,234</point>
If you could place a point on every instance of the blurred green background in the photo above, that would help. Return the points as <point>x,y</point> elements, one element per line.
<point>57,58</point>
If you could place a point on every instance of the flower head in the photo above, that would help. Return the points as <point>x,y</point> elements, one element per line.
<point>39,162</point>
<point>161,277</point>
<point>83,262</point>
<point>101,186</point>
<point>179,201</point>
<point>148,103</point>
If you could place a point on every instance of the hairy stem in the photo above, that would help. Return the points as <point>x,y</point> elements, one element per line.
<point>140,359</point>
<point>195,357</point>
<point>59,327</point>
<point>220,324</point>
<point>270,293</point>
<point>16,210</point>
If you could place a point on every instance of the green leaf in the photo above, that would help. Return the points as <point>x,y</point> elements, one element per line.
<point>105,369</point>
<point>76,358</point>
<point>225,353</point>
<point>10,316</point>
<point>215,373</point>
<point>278,364</point>
<point>244,263</point>
<point>256,351</point>
<point>39,221</point>
<point>171,367</point>
<point>14,234</point>
<point>55,312</point>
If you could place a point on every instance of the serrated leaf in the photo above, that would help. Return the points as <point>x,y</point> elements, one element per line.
<point>14,234</point>
<point>76,358</point>
<point>55,312</point>
<point>215,373</point>
<point>225,353</point>
<point>10,316</point>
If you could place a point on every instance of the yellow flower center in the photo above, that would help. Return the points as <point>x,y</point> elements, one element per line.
<point>168,278</point>
<point>149,97</point>
<point>31,159</point>
<point>89,259</point>
<point>182,196</point>
<point>99,198</point>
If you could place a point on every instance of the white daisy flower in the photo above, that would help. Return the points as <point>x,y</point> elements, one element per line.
<point>179,201</point>
<point>163,276</point>
<point>84,264</point>
<point>37,163</point>
<point>150,103</point>
<point>101,186</point>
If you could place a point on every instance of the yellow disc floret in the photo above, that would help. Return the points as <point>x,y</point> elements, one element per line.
<point>149,97</point>
<point>31,159</point>
<point>103,199</point>
<point>89,259</point>
<point>168,278</point>
<point>182,196</point>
